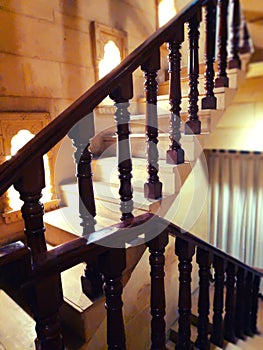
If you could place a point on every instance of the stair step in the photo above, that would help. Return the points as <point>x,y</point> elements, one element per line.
<point>234,76</point>
<point>63,224</point>
<point>172,176</point>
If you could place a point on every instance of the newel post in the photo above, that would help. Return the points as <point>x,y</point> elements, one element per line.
<point>45,296</point>
<point>153,187</point>
<point>121,96</point>
<point>175,154</point>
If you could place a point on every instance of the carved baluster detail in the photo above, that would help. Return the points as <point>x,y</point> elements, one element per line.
<point>30,186</point>
<point>217,332</point>
<point>222,79</point>
<point>193,124</point>
<point>121,97</point>
<point>157,260</point>
<point>45,297</point>
<point>185,251</point>
<point>248,304</point>
<point>229,321</point>
<point>254,314</point>
<point>175,154</point>
<point>235,61</point>
<point>112,263</point>
<point>209,101</point>
<point>240,306</point>
<point>203,259</point>
<point>153,187</point>
<point>245,46</point>
<point>81,134</point>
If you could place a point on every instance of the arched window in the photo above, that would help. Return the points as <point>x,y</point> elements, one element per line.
<point>111,58</point>
<point>17,142</point>
<point>166,11</point>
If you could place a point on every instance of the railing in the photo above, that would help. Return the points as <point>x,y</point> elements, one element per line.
<point>240,282</point>
<point>39,270</point>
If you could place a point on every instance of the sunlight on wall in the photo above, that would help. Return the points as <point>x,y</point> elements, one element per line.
<point>111,59</point>
<point>18,141</point>
<point>166,11</point>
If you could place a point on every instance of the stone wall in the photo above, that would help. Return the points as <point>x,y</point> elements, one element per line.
<point>45,47</point>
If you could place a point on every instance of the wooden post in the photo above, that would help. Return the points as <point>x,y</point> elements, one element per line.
<point>185,251</point>
<point>157,260</point>
<point>209,101</point>
<point>45,297</point>
<point>80,135</point>
<point>121,97</point>
<point>235,61</point>
<point>240,306</point>
<point>193,124</point>
<point>175,154</point>
<point>153,187</point>
<point>203,259</point>
<point>254,313</point>
<point>222,79</point>
<point>112,263</point>
<point>248,304</point>
<point>229,320</point>
<point>217,332</point>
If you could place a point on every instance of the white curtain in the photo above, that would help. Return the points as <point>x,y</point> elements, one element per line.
<point>236,204</point>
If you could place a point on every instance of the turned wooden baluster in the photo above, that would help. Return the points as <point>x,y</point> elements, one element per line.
<point>121,97</point>
<point>81,134</point>
<point>185,251</point>
<point>229,320</point>
<point>254,313</point>
<point>245,46</point>
<point>157,260</point>
<point>240,306</point>
<point>222,79</point>
<point>44,297</point>
<point>235,61</point>
<point>193,124</point>
<point>209,101</point>
<point>217,330</point>
<point>204,261</point>
<point>175,154</point>
<point>153,187</point>
<point>248,304</point>
<point>112,263</point>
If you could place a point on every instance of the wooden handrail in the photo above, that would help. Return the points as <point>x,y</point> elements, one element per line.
<point>71,253</point>
<point>60,126</point>
<point>176,231</point>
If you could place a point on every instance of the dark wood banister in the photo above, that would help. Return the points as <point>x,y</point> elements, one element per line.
<point>60,126</point>
<point>71,253</point>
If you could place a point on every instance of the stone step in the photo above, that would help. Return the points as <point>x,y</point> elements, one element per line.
<point>172,176</point>
<point>234,75</point>
<point>64,224</point>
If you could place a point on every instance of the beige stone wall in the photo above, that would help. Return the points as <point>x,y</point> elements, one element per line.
<point>45,47</point>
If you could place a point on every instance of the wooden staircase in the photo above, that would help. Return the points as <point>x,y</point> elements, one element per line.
<point>31,274</point>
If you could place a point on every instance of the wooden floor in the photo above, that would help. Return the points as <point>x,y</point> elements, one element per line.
<point>17,330</point>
